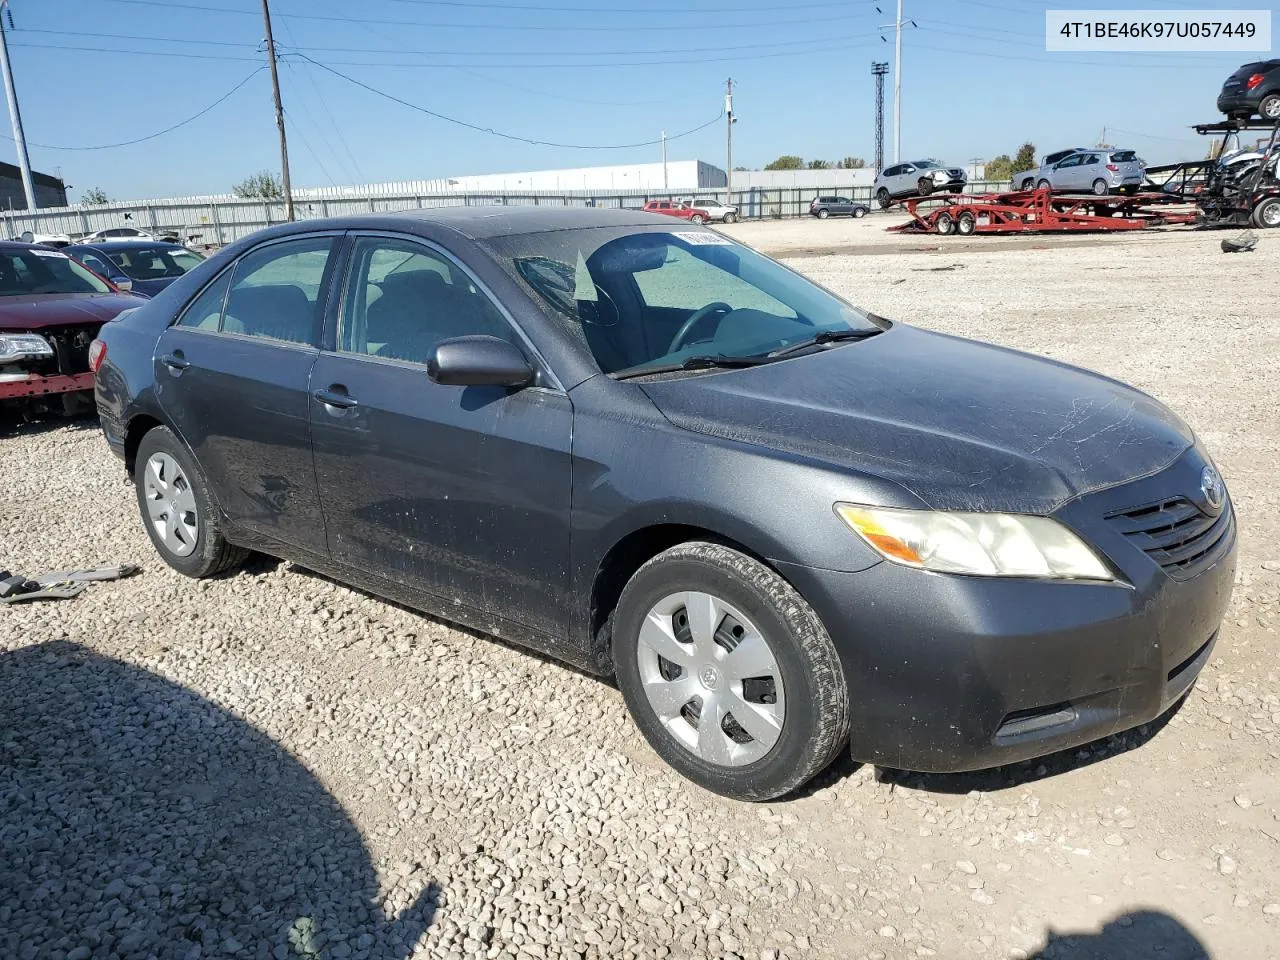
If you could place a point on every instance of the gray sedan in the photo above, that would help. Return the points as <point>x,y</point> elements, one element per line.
<point>787,527</point>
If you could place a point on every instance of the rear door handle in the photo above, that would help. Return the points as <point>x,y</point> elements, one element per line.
<point>176,361</point>
<point>332,398</point>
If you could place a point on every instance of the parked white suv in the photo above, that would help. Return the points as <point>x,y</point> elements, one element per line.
<point>716,210</point>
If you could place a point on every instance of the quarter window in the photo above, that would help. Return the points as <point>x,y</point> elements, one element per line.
<point>403,298</point>
<point>205,311</point>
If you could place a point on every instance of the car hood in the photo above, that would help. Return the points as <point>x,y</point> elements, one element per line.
<point>33,311</point>
<point>961,425</point>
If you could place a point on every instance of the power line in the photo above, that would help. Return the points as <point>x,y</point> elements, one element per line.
<point>359,176</point>
<point>141,53</point>
<point>540,8</point>
<point>488,27</point>
<point>158,133</point>
<point>497,133</point>
<point>297,128</point>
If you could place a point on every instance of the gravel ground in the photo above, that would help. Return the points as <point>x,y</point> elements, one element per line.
<point>272,765</point>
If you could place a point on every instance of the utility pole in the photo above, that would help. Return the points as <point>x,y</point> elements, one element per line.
<point>878,70</point>
<point>897,81</point>
<point>728,112</point>
<point>665,185</point>
<point>19,141</point>
<point>275,90</point>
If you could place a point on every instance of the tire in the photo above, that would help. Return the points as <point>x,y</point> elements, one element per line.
<point>966,224</point>
<point>698,219</point>
<point>1100,188</point>
<point>823,213</point>
<point>924,186</point>
<point>859,212</point>
<point>883,198</point>
<point>195,546</point>
<point>1044,185</point>
<point>945,224</point>
<point>1028,184</point>
<point>1266,215</point>
<point>730,217</point>
<point>751,607</point>
<point>1269,108</point>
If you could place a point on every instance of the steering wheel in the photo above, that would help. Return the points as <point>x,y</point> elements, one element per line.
<point>694,319</point>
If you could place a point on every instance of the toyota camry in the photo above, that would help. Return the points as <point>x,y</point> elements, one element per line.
<point>787,526</point>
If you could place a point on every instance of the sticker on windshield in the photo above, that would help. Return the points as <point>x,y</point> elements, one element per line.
<point>49,253</point>
<point>584,288</point>
<point>702,238</point>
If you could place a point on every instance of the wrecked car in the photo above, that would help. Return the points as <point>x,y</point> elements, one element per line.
<point>50,310</point>
<point>788,527</point>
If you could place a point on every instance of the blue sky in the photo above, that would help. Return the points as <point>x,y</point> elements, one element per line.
<point>976,82</point>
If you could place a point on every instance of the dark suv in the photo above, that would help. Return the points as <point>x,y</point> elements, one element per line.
<point>1253,89</point>
<point>823,207</point>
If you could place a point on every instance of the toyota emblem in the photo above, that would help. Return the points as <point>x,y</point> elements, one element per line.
<point>1215,494</point>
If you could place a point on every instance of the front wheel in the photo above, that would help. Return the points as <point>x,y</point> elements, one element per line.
<point>1100,188</point>
<point>924,186</point>
<point>1267,214</point>
<point>176,509</point>
<point>1269,108</point>
<point>883,198</point>
<point>859,212</point>
<point>730,217</point>
<point>698,219</point>
<point>728,672</point>
<point>1044,185</point>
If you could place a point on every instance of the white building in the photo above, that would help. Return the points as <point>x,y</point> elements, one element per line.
<point>673,175</point>
<point>830,179</point>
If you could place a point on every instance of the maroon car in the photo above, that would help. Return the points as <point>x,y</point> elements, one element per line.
<point>50,310</point>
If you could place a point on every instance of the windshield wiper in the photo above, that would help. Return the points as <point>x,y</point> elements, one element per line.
<point>824,337</point>
<point>692,363</point>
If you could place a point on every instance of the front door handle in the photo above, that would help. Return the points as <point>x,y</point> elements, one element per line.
<point>335,398</point>
<point>176,362</point>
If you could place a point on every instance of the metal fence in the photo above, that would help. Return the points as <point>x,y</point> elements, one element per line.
<point>221,220</point>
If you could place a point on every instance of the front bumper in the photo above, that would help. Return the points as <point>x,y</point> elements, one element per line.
<point>34,385</point>
<point>951,673</point>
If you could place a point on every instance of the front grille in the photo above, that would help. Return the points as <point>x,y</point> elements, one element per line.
<point>70,347</point>
<point>1176,534</point>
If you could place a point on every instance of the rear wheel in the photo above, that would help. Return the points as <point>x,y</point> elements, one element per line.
<point>728,672</point>
<point>1100,188</point>
<point>177,511</point>
<point>945,224</point>
<point>966,224</point>
<point>1267,214</point>
<point>823,213</point>
<point>883,198</point>
<point>1269,108</point>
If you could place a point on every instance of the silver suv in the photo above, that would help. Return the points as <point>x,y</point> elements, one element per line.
<point>716,210</point>
<point>918,178</point>
<point>1098,171</point>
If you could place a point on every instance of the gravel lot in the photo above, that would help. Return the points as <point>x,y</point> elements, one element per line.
<point>271,765</point>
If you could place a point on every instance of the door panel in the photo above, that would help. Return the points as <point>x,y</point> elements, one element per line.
<point>463,492</point>
<point>233,376</point>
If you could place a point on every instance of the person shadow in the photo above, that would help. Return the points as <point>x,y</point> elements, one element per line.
<point>1139,935</point>
<point>140,820</point>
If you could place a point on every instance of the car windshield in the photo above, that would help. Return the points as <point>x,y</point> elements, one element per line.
<point>927,165</point>
<point>154,263</point>
<point>656,298</point>
<point>44,271</point>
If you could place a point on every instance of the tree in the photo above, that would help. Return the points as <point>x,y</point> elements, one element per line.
<point>259,186</point>
<point>787,161</point>
<point>851,163</point>
<point>739,169</point>
<point>1026,158</point>
<point>95,195</point>
<point>1000,168</point>
<point>819,165</point>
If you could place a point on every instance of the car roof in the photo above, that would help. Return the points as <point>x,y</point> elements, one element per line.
<point>12,246</point>
<point>483,222</point>
<point>124,243</point>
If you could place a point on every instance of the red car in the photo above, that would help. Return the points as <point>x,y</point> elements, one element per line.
<point>50,310</point>
<point>673,208</point>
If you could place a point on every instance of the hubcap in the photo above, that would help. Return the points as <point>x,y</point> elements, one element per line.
<point>171,504</point>
<point>711,678</point>
<point>1273,110</point>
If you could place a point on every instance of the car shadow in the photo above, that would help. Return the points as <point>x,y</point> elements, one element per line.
<point>139,819</point>
<point>1138,935</point>
<point>1029,771</point>
<point>12,425</point>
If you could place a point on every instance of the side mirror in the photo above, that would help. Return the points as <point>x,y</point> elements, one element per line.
<point>124,283</point>
<point>479,362</point>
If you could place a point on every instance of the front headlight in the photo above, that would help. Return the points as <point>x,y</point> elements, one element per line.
<point>23,346</point>
<point>980,544</point>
